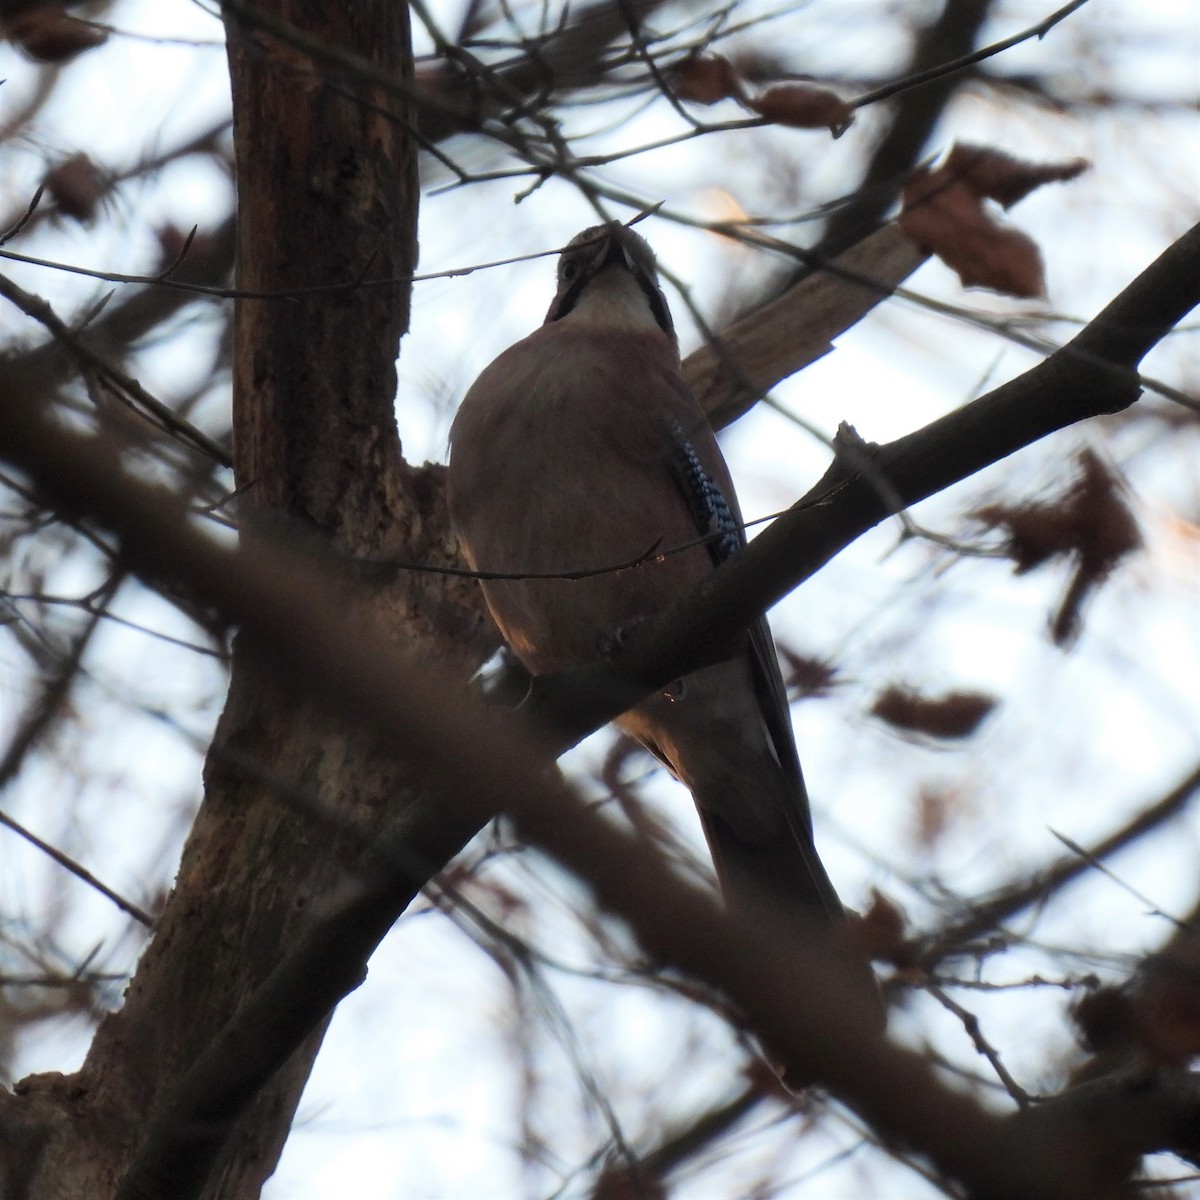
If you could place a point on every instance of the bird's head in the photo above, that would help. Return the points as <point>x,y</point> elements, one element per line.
<point>607,278</point>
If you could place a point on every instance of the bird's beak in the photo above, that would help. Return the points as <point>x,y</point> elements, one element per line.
<point>612,250</point>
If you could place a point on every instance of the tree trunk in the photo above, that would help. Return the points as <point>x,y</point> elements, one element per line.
<point>327,195</point>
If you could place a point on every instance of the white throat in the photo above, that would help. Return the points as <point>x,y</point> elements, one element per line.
<point>613,300</point>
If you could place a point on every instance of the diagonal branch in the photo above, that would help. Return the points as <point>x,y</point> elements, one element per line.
<point>127,389</point>
<point>1093,374</point>
<point>796,328</point>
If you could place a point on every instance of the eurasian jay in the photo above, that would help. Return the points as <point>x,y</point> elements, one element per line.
<point>580,447</point>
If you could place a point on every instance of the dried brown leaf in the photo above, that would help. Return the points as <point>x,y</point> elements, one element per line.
<point>49,34</point>
<point>936,809</point>
<point>1168,996</point>
<point>1105,1019</point>
<point>1156,1016</point>
<point>1168,1010</point>
<point>1107,528</point>
<point>1036,532</point>
<point>706,78</point>
<point>804,106</point>
<point>807,675</point>
<point>944,212</point>
<point>1091,521</point>
<point>944,215</point>
<point>881,932</point>
<point>77,187</point>
<point>954,715</point>
<point>1005,179</point>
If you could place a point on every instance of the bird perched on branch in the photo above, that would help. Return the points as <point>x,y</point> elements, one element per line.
<point>581,447</point>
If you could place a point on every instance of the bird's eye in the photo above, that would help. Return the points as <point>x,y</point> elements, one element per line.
<point>569,269</point>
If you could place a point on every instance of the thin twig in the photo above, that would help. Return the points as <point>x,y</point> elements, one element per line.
<point>970,1023</point>
<point>124,385</point>
<point>41,715</point>
<point>949,68</point>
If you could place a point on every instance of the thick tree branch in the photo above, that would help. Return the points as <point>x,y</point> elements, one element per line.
<point>1130,1113</point>
<point>729,374</point>
<point>193,1126</point>
<point>315,440</point>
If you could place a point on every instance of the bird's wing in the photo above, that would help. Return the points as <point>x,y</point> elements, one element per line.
<point>717,519</point>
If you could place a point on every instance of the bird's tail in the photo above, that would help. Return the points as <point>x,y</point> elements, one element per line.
<point>784,882</point>
<point>783,875</point>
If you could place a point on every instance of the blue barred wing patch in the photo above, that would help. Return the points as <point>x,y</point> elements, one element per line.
<point>713,516</point>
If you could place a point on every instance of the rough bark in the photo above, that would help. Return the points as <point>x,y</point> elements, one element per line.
<point>327,188</point>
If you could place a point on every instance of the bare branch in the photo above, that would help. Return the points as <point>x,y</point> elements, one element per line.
<point>920,78</point>
<point>42,714</point>
<point>121,385</point>
<point>757,352</point>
